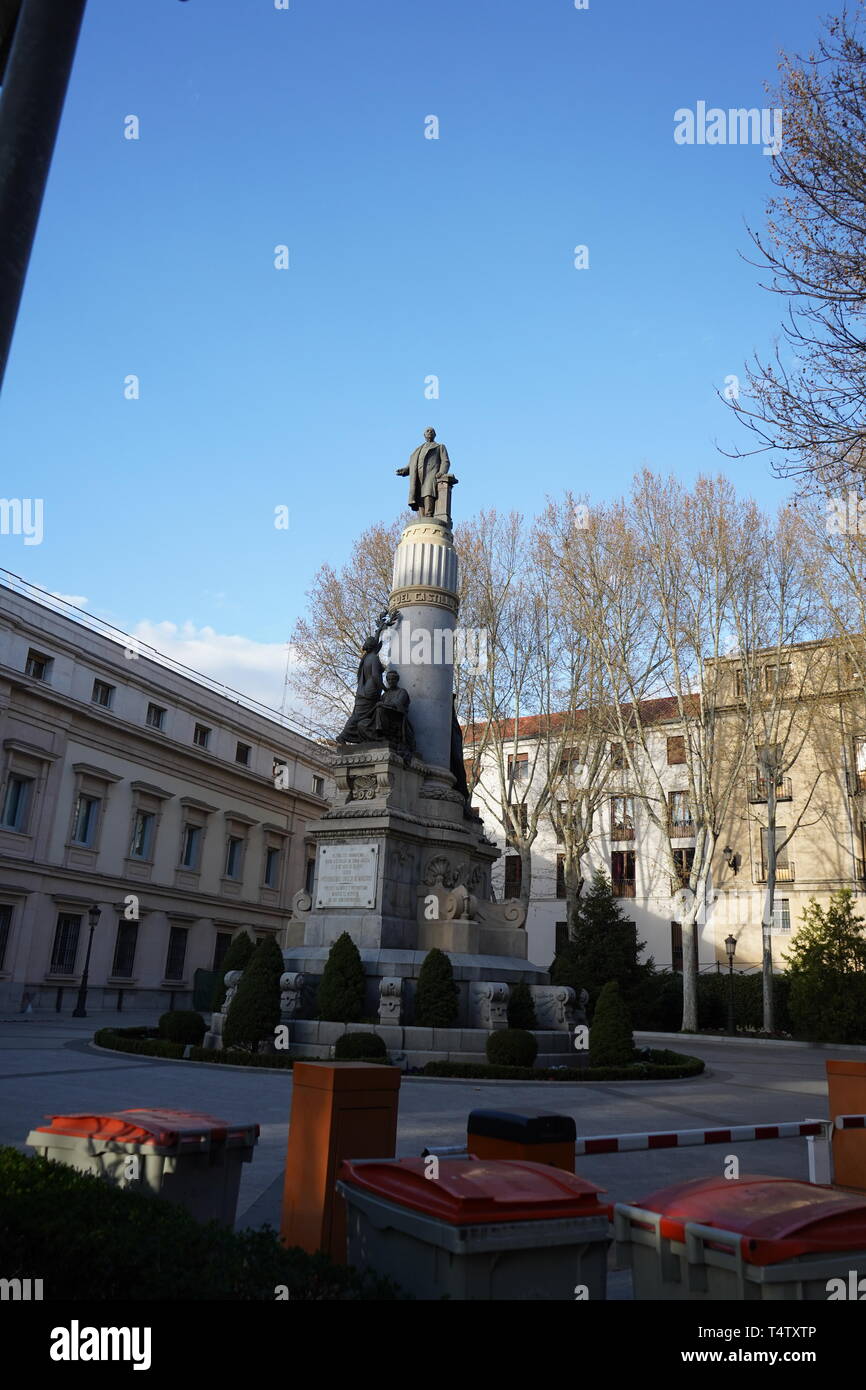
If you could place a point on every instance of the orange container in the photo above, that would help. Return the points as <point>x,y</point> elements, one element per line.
<point>846,1084</point>
<point>339,1110</point>
<point>533,1136</point>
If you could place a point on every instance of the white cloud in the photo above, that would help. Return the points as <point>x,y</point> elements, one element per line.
<point>256,669</point>
<point>77,600</point>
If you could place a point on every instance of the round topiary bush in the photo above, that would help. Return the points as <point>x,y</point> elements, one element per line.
<point>360,1047</point>
<point>237,957</point>
<point>521,1007</point>
<point>183,1026</point>
<point>341,991</point>
<point>254,1013</point>
<point>511,1047</point>
<point>610,1037</point>
<point>436,995</point>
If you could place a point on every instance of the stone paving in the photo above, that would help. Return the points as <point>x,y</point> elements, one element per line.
<point>46,1066</point>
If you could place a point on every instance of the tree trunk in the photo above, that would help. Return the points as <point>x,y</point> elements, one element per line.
<point>767,916</point>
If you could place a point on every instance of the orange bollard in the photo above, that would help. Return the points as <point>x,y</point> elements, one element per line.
<point>846,1084</point>
<point>339,1110</point>
<point>534,1136</point>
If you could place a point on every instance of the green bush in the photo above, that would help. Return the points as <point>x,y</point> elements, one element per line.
<point>183,1026</point>
<point>254,1013</point>
<point>603,946</point>
<point>237,957</point>
<point>118,1244</point>
<point>657,1003</point>
<point>610,1037</point>
<point>521,1007</point>
<point>659,1066</point>
<point>827,969</point>
<point>360,1047</point>
<point>436,994</point>
<point>140,1047</point>
<point>511,1047</point>
<point>229,1058</point>
<point>342,987</point>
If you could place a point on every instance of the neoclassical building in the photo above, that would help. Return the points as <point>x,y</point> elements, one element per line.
<point>127,784</point>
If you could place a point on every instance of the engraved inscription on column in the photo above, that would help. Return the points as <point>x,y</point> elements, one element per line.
<point>347,875</point>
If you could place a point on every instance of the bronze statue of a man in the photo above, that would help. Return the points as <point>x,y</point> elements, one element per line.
<point>360,726</point>
<point>428,466</point>
<point>392,714</point>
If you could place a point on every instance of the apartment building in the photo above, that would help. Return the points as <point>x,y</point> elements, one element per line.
<point>820,820</point>
<point>176,808</point>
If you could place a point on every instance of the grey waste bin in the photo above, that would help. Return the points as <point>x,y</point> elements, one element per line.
<point>477,1229</point>
<point>191,1159</point>
<point>755,1238</point>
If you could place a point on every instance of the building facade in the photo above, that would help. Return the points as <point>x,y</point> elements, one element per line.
<point>129,785</point>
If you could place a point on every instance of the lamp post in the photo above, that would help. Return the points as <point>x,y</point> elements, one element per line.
<point>80,1010</point>
<point>730,947</point>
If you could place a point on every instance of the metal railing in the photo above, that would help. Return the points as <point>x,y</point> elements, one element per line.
<point>624,887</point>
<point>759,789</point>
<point>784,873</point>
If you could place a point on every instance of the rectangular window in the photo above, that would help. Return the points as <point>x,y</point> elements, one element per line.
<point>85,820</point>
<point>318,786</point>
<point>155,716</point>
<point>124,950</point>
<point>142,835</point>
<point>103,694</point>
<point>680,815</point>
<point>622,817</point>
<point>781,914</point>
<point>242,754</point>
<point>272,866</point>
<point>176,954</point>
<point>234,845</point>
<point>570,764</point>
<point>221,945</point>
<point>619,756</point>
<point>777,675</point>
<point>623,873</point>
<point>781,854</point>
<point>860,763</point>
<point>561,936</point>
<point>38,665</point>
<point>201,736</point>
<point>676,750</point>
<point>518,767</point>
<point>190,846</point>
<point>65,947</point>
<point>513,875</point>
<point>16,803</point>
<point>560,875</point>
<point>684,859</point>
<point>519,819</point>
<point>5,929</point>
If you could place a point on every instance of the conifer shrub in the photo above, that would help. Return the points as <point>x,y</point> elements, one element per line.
<point>341,990</point>
<point>237,957</point>
<point>255,1010</point>
<point>610,1037</point>
<point>437,994</point>
<point>521,1007</point>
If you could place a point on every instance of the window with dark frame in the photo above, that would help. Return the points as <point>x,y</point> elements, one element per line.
<point>143,825</point>
<point>155,718</point>
<point>124,950</point>
<point>683,859</point>
<point>201,735</point>
<point>318,786</point>
<point>65,947</point>
<point>561,936</point>
<point>85,820</point>
<point>234,846</point>
<point>518,767</point>
<point>16,803</point>
<point>860,763</point>
<point>622,817</point>
<point>272,866</point>
<point>680,813</point>
<point>38,665</point>
<point>191,846</point>
<point>676,750</point>
<point>176,955</point>
<point>560,875</point>
<point>623,873</point>
<point>513,875</point>
<point>103,694</point>
<point>242,754</point>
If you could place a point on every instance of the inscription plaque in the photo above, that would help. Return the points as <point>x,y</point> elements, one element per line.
<point>347,875</point>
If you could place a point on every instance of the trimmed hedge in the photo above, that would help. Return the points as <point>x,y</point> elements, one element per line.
<point>360,1047</point>
<point>143,1047</point>
<point>511,1047</point>
<point>128,1040</point>
<point>657,1005</point>
<point>611,1043</point>
<point>97,1241</point>
<point>661,1065</point>
<point>183,1026</point>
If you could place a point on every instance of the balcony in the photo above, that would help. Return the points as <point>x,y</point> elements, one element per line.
<point>623,887</point>
<point>856,783</point>
<point>759,788</point>
<point>784,873</point>
<point>681,829</point>
<point>622,832</point>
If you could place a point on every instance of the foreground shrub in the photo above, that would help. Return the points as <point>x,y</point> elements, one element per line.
<point>511,1047</point>
<point>254,1013</point>
<point>341,990</point>
<point>610,1037</point>
<point>655,1065</point>
<point>360,1047</point>
<point>183,1026</point>
<point>827,967</point>
<point>117,1244</point>
<point>436,994</point>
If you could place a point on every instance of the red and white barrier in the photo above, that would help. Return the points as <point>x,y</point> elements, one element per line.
<point>688,1138</point>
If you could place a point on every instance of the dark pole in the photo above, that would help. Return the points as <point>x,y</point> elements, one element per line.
<point>80,1010</point>
<point>731,1028</point>
<point>31,103</point>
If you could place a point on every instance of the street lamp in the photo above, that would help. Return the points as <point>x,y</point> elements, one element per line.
<point>731,947</point>
<point>80,1010</point>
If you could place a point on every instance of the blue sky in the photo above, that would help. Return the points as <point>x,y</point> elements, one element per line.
<point>408,257</point>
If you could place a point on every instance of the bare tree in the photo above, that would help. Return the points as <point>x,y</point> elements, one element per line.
<point>808,405</point>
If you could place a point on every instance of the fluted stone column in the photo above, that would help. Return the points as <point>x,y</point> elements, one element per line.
<point>422,641</point>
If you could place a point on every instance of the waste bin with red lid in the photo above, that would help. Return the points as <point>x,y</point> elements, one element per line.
<point>755,1238</point>
<point>469,1228</point>
<point>185,1157</point>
